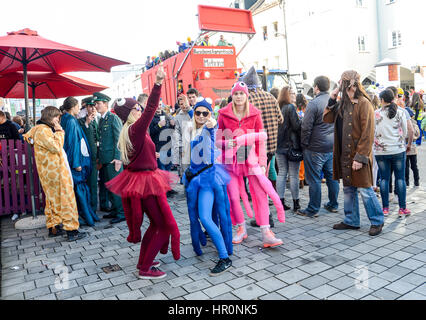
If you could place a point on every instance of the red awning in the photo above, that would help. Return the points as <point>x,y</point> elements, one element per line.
<point>225,19</point>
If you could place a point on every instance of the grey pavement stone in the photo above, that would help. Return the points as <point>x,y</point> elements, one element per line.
<point>421,289</point>
<point>343,283</point>
<point>155,289</point>
<point>412,264</point>
<point>217,290</point>
<point>332,274</point>
<point>97,295</point>
<point>323,291</point>
<point>36,292</point>
<point>158,296</point>
<point>196,285</point>
<point>131,295</point>
<point>99,285</point>
<point>261,275</point>
<point>18,288</point>
<point>293,276</point>
<point>413,278</point>
<point>199,295</point>
<point>223,278</point>
<point>272,296</point>
<point>314,267</point>
<point>178,282</point>
<point>292,291</point>
<point>249,292</point>
<point>114,291</point>
<point>240,282</point>
<point>16,296</point>
<point>271,284</point>
<point>357,292</point>
<point>385,294</point>
<point>400,287</point>
<point>50,296</point>
<point>314,282</point>
<point>412,296</point>
<point>339,296</point>
<point>70,293</point>
<point>87,280</point>
<point>175,293</point>
<point>226,296</point>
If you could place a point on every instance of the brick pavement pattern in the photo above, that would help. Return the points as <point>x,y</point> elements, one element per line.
<point>315,261</point>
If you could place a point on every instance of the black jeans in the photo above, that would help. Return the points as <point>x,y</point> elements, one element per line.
<point>412,159</point>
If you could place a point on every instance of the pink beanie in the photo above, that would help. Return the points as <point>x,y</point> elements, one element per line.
<point>239,86</point>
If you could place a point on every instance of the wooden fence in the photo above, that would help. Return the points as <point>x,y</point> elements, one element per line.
<point>15,192</point>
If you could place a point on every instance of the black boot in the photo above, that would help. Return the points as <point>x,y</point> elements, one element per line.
<point>253,222</point>
<point>74,235</point>
<point>284,205</point>
<point>55,231</point>
<point>271,221</point>
<point>296,205</point>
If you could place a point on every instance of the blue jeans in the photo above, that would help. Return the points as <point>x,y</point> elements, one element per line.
<point>419,140</point>
<point>371,205</point>
<point>315,162</point>
<point>397,161</point>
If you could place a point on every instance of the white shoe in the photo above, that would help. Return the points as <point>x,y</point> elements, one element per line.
<point>241,234</point>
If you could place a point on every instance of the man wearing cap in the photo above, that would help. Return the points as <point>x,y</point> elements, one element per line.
<point>90,129</point>
<point>108,154</point>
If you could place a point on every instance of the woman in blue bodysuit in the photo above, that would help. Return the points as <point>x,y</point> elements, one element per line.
<point>205,184</point>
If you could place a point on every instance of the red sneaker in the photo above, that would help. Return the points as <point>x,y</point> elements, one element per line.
<point>153,273</point>
<point>155,263</point>
<point>404,212</point>
<point>385,212</point>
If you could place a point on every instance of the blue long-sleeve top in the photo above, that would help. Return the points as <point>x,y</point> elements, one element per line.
<point>203,150</point>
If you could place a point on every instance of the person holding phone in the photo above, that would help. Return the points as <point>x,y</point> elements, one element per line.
<point>205,185</point>
<point>353,118</point>
<point>143,186</point>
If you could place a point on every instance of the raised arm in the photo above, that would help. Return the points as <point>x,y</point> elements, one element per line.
<point>141,126</point>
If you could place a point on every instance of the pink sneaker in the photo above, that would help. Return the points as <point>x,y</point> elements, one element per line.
<point>269,239</point>
<point>152,273</point>
<point>385,212</point>
<point>241,235</point>
<point>404,212</point>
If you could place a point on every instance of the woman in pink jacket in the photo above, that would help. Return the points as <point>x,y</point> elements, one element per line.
<point>240,118</point>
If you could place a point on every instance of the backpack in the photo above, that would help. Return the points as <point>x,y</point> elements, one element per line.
<point>416,128</point>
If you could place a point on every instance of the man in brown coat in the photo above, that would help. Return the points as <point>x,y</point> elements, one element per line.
<point>353,118</point>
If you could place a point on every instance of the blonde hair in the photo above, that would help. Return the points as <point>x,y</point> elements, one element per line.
<point>124,144</point>
<point>246,108</point>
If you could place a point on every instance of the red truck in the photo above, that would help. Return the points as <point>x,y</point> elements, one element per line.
<point>211,70</point>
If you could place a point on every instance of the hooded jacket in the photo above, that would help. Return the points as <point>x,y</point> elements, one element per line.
<point>230,128</point>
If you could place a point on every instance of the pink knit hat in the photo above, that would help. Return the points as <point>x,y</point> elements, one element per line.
<point>239,86</point>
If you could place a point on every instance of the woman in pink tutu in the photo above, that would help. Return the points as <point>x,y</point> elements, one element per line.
<point>143,186</point>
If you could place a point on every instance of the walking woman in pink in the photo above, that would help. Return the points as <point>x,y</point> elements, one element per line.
<point>143,186</point>
<point>238,119</point>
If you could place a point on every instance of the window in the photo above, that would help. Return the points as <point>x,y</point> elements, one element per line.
<point>275,29</point>
<point>362,43</point>
<point>265,33</point>
<point>396,39</point>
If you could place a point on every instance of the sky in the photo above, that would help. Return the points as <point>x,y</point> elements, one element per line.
<point>128,30</point>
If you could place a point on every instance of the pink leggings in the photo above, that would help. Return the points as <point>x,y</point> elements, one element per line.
<point>258,196</point>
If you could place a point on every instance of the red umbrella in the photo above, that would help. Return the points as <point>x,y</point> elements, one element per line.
<point>46,85</point>
<point>25,51</point>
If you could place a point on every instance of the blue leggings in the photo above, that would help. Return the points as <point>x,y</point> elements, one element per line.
<point>209,206</point>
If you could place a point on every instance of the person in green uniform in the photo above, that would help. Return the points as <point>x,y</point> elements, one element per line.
<point>90,129</point>
<point>108,154</point>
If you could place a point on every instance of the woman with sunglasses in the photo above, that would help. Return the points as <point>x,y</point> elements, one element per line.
<point>143,186</point>
<point>238,118</point>
<point>205,184</point>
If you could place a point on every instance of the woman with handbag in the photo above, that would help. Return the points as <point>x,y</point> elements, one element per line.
<point>205,185</point>
<point>289,151</point>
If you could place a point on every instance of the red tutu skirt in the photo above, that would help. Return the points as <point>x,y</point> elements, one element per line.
<point>142,183</point>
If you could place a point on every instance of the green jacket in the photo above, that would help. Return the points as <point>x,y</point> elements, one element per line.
<point>92,136</point>
<point>109,132</point>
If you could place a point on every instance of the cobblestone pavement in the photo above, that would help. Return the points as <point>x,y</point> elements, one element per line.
<point>315,262</point>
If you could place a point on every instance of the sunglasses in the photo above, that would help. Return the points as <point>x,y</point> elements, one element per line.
<point>204,113</point>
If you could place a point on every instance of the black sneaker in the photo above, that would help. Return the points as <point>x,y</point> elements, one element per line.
<point>75,235</point>
<point>221,267</point>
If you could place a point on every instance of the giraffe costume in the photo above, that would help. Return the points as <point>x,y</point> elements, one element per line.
<point>55,177</point>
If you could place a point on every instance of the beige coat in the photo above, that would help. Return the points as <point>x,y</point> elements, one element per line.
<point>357,143</point>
